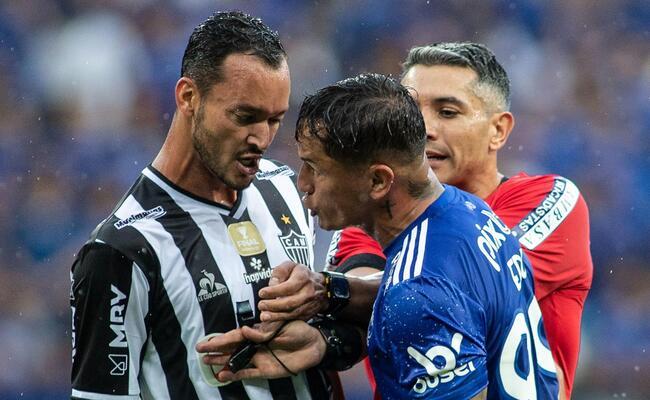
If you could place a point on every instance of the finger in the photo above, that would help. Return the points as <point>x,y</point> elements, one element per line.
<point>268,316</point>
<point>213,359</point>
<point>281,272</point>
<point>300,276</point>
<point>225,343</point>
<point>303,313</point>
<point>289,303</point>
<point>260,334</point>
<point>246,373</point>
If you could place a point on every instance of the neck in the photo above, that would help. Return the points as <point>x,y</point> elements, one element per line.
<point>401,208</point>
<point>179,162</point>
<point>484,183</point>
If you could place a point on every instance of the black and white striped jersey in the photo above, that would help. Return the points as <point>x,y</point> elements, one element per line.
<point>165,269</point>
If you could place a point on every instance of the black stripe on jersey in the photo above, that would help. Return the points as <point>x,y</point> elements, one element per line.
<point>361,260</point>
<point>319,384</point>
<point>165,328</point>
<point>294,179</point>
<point>145,257</point>
<point>285,221</point>
<point>217,312</point>
<point>259,266</point>
<point>100,295</point>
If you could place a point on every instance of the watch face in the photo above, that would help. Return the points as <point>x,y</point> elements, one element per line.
<point>340,289</point>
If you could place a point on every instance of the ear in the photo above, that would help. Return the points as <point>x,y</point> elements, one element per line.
<point>501,126</point>
<point>187,96</point>
<point>382,180</point>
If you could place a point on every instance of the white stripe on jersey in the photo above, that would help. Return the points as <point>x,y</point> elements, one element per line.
<point>552,217</point>
<point>101,396</point>
<point>405,268</point>
<point>421,247</point>
<point>284,185</point>
<point>187,203</point>
<point>400,259</point>
<point>188,313</point>
<point>302,387</point>
<point>215,232</point>
<point>409,256</point>
<point>177,280</point>
<point>152,371</point>
<point>136,332</point>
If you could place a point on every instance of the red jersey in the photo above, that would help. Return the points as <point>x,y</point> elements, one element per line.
<point>550,218</point>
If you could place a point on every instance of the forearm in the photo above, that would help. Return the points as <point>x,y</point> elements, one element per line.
<point>363,291</point>
<point>344,343</point>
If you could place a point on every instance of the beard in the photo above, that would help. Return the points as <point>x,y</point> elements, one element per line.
<point>207,147</point>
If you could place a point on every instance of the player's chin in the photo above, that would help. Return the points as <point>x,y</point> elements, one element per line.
<point>240,182</point>
<point>330,224</point>
<point>444,173</point>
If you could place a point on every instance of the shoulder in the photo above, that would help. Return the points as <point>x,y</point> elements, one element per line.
<point>123,231</point>
<point>531,191</point>
<point>351,248</point>
<point>98,264</point>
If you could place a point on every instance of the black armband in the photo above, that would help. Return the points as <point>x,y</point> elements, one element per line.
<point>344,344</point>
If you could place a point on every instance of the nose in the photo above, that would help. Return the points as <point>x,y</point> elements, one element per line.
<point>304,182</point>
<point>431,127</point>
<point>432,134</point>
<point>261,135</point>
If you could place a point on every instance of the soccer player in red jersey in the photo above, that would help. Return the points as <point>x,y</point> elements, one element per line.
<point>463,93</point>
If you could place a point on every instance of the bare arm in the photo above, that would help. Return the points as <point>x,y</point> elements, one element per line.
<point>296,292</point>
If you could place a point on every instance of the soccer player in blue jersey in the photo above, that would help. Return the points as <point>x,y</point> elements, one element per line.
<point>455,316</point>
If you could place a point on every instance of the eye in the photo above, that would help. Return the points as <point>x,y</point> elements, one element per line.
<point>448,113</point>
<point>311,168</point>
<point>244,119</point>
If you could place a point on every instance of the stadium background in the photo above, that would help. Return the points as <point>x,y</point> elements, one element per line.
<point>87,96</point>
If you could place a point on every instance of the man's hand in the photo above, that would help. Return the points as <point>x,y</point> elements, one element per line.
<point>298,345</point>
<point>294,292</point>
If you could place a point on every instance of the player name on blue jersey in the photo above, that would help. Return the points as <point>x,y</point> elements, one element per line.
<point>456,312</point>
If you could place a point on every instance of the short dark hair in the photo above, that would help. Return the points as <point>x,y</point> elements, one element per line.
<point>474,56</point>
<point>225,33</point>
<point>360,119</point>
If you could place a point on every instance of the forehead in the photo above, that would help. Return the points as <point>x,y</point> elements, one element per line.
<point>309,147</point>
<point>438,81</point>
<point>247,79</point>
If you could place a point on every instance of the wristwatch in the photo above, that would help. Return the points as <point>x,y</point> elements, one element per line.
<point>337,289</point>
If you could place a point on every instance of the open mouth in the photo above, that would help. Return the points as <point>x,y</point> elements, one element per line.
<point>249,166</point>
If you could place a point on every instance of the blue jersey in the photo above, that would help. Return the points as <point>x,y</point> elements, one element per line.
<point>456,311</point>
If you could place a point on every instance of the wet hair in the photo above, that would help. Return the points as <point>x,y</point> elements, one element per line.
<point>225,33</point>
<point>474,56</point>
<point>364,119</point>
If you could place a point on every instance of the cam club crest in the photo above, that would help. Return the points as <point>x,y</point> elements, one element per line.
<point>296,247</point>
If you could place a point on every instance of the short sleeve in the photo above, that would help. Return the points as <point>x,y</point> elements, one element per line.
<point>109,302</point>
<point>437,335</point>
<point>352,248</point>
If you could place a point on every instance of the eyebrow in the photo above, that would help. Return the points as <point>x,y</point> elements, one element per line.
<point>449,99</point>
<point>254,110</point>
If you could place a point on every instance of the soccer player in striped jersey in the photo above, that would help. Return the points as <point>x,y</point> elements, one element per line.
<point>455,315</point>
<point>185,251</point>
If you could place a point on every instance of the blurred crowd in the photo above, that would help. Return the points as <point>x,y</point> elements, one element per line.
<point>88,96</point>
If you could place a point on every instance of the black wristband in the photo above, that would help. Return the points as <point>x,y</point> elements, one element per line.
<point>344,344</point>
<point>337,289</point>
